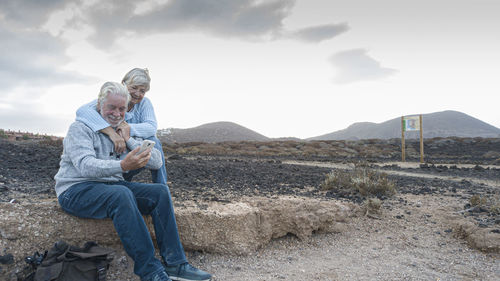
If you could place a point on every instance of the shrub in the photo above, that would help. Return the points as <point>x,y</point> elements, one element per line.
<point>51,142</point>
<point>495,209</point>
<point>477,200</point>
<point>371,206</point>
<point>336,179</point>
<point>490,203</point>
<point>3,135</point>
<point>362,180</point>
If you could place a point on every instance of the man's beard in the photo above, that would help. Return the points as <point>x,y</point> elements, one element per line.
<point>113,121</point>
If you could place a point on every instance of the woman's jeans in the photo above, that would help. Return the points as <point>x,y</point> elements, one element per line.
<point>157,176</point>
<point>126,203</point>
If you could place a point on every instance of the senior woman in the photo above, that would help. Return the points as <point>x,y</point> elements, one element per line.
<point>140,120</point>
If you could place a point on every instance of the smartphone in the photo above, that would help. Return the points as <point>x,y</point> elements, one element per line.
<point>145,145</point>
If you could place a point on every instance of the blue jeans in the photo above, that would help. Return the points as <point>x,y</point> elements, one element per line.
<point>126,203</point>
<point>157,176</point>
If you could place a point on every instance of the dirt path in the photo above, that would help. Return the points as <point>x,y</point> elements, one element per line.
<point>413,240</point>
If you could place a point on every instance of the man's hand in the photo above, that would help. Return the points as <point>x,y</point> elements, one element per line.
<point>135,161</point>
<point>124,130</point>
<point>118,141</point>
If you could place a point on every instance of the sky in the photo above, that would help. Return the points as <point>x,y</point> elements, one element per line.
<point>282,68</point>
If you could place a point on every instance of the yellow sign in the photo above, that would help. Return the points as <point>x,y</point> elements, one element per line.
<point>412,123</point>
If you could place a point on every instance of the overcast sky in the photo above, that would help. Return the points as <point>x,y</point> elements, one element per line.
<point>279,67</point>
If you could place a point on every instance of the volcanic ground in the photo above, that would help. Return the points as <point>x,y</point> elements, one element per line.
<point>27,170</point>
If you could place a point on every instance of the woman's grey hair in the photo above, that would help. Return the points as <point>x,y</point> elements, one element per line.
<point>114,88</point>
<point>137,77</point>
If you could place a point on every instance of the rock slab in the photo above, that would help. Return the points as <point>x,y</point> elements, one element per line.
<point>227,228</point>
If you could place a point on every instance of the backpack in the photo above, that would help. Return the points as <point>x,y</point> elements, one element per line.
<point>64,262</point>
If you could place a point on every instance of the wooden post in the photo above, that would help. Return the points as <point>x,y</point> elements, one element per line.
<point>403,138</point>
<point>421,141</point>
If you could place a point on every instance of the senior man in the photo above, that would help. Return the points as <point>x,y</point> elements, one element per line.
<point>90,184</point>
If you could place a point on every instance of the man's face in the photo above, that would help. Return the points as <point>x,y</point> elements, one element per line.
<point>113,109</point>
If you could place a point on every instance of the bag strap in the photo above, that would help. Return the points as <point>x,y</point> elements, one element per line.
<point>100,253</point>
<point>90,250</point>
<point>102,268</point>
<point>53,254</point>
<point>64,256</point>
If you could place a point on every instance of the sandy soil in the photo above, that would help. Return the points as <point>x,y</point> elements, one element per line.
<point>413,238</point>
<point>411,241</point>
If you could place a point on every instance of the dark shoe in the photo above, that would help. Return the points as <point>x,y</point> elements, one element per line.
<point>161,276</point>
<point>186,272</point>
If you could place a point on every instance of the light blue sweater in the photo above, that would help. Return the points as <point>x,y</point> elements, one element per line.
<point>89,156</point>
<point>141,118</point>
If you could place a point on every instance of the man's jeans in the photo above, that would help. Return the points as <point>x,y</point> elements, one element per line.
<point>126,203</point>
<point>157,176</point>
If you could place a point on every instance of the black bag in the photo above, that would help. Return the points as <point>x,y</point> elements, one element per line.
<point>64,262</point>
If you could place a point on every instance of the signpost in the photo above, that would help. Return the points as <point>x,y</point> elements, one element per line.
<point>411,123</point>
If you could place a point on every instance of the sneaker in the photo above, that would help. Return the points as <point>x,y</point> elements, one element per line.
<point>160,276</point>
<point>186,272</point>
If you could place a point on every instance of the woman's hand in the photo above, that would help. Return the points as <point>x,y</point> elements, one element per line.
<point>118,141</point>
<point>124,130</point>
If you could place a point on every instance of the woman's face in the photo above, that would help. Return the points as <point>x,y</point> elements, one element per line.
<point>137,92</point>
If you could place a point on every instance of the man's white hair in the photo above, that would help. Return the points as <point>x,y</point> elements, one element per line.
<point>112,88</point>
<point>137,77</point>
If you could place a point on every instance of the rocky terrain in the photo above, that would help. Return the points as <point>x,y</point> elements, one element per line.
<point>442,224</point>
<point>436,150</point>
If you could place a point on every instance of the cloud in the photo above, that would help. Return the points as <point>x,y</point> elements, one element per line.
<point>29,56</point>
<point>32,58</point>
<point>28,13</point>
<point>109,21</point>
<point>246,19</point>
<point>225,18</point>
<point>355,65</point>
<point>320,33</point>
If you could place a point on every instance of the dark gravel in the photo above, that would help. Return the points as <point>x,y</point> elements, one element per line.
<point>476,172</point>
<point>226,179</point>
<point>27,170</point>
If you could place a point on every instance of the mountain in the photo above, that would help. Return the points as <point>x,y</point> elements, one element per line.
<point>439,124</point>
<point>211,133</point>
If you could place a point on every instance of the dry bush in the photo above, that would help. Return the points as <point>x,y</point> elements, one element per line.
<point>495,209</point>
<point>371,206</point>
<point>314,144</point>
<point>491,203</point>
<point>362,179</point>
<point>51,142</point>
<point>337,179</point>
<point>477,200</point>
